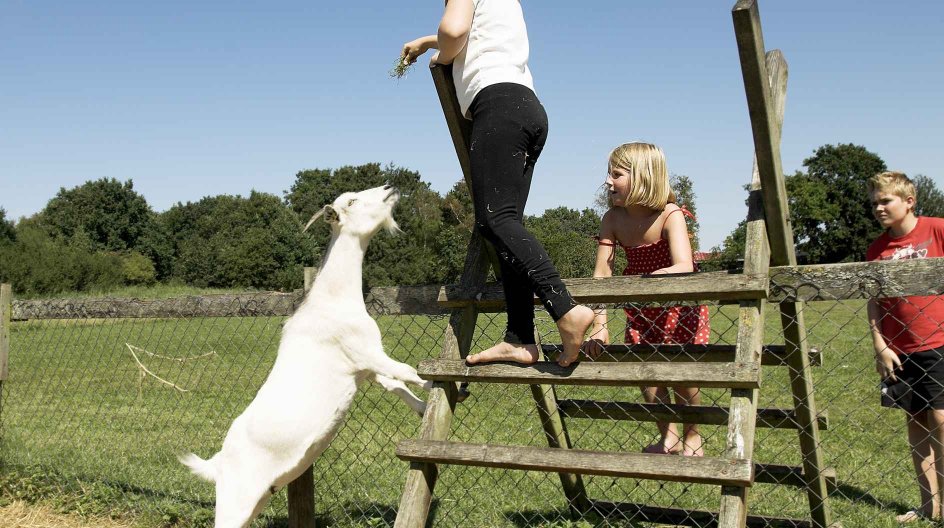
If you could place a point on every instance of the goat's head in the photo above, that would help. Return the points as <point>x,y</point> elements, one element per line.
<point>363,213</point>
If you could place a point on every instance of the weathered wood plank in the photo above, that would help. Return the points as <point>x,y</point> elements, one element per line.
<point>555,430</point>
<point>773,355</point>
<point>301,500</point>
<point>744,375</point>
<point>6,298</point>
<point>680,517</point>
<point>857,280</point>
<point>659,412</point>
<point>703,470</point>
<point>765,77</point>
<point>716,285</point>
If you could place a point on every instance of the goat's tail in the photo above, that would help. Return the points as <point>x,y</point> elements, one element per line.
<point>204,469</point>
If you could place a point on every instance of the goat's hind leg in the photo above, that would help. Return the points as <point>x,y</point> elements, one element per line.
<point>400,389</point>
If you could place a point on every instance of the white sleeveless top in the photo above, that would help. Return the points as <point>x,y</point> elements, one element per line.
<point>497,51</point>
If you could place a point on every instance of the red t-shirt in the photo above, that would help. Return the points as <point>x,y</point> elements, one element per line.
<point>912,324</point>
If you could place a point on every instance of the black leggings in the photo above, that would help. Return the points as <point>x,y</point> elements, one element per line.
<point>509,128</point>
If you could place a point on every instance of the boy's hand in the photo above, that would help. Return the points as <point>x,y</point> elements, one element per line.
<point>886,363</point>
<point>594,346</point>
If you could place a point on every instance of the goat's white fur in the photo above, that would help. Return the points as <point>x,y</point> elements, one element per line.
<point>328,346</point>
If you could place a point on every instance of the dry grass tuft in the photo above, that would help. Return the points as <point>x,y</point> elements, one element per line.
<point>400,68</point>
<point>19,514</point>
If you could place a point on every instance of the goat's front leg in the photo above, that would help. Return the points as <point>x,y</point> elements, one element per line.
<point>400,389</point>
<point>383,365</point>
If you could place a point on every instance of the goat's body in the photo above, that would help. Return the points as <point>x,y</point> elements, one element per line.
<point>329,346</point>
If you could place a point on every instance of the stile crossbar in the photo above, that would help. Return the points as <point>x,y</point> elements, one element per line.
<point>769,242</point>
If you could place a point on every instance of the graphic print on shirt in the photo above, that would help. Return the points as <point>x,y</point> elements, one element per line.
<point>911,251</point>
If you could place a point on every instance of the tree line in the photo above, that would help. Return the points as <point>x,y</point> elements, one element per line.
<point>103,234</point>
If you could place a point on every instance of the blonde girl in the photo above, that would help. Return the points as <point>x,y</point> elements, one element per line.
<point>650,227</point>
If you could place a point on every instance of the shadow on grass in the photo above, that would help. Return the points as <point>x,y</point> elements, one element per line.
<point>562,519</point>
<point>856,495</point>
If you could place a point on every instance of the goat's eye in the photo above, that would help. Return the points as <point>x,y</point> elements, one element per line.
<point>351,202</point>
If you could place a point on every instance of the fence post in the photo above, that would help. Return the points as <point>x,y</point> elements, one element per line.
<point>6,309</point>
<point>301,491</point>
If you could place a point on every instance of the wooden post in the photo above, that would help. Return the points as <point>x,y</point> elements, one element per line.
<point>301,491</point>
<point>763,105</point>
<point>6,309</point>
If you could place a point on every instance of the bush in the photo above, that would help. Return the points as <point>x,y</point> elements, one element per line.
<point>137,269</point>
<point>38,264</point>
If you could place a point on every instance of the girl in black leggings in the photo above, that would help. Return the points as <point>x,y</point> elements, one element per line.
<point>486,41</point>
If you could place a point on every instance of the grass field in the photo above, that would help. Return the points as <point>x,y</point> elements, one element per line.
<point>84,432</point>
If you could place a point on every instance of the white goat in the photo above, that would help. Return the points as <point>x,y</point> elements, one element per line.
<point>328,346</point>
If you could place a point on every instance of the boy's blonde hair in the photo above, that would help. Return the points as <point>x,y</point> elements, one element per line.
<point>893,183</point>
<point>649,179</point>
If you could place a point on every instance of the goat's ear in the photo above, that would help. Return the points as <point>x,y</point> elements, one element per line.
<point>330,214</point>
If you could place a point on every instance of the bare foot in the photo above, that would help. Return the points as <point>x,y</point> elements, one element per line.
<point>524,354</point>
<point>692,446</point>
<point>914,516</point>
<point>572,328</point>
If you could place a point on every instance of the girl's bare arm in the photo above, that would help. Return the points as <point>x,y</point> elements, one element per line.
<point>454,29</point>
<point>680,246</point>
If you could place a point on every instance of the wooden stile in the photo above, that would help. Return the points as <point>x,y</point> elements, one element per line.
<point>6,311</point>
<point>738,367</point>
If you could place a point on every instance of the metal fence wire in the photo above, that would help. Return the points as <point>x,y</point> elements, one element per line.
<point>98,405</point>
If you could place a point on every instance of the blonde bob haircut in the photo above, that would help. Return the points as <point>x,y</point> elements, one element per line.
<point>649,179</point>
<point>892,182</point>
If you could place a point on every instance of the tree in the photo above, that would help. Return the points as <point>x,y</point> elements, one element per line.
<point>685,196</point>
<point>929,199</point>
<point>231,241</point>
<point>829,206</point>
<point>7,228</point>
<point>830,210</point>
<point>109,212</point>
<point>37,263</point>
<point>567,236</point>
<point>411,258</point>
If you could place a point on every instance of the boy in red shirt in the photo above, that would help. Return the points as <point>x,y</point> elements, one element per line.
<point>908,335</point>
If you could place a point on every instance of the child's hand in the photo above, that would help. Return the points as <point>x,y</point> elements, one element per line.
<point>413,49</point>
<point>886,363</point>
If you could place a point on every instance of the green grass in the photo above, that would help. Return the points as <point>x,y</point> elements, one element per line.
<point>82,430</point>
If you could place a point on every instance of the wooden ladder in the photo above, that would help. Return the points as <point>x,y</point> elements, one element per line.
<point>735,367</point>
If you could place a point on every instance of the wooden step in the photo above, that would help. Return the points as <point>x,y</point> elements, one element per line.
<point>680,517</point>
<point>703,470</point>
<point>790,476</point>
<point>733,375</point>
<point>772,355</point>
<point>711,286</point>
<point>658,412</point>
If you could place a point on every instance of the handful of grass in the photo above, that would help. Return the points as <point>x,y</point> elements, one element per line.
<point>400,68</point>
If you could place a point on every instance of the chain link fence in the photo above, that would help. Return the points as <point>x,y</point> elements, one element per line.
<point>103,394</point>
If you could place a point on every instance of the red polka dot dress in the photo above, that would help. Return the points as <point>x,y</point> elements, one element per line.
<point>674,325</point>
<point>668,325</point>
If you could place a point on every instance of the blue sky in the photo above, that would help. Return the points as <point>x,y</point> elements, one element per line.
<point>198,98</point>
